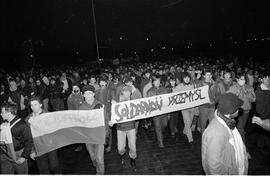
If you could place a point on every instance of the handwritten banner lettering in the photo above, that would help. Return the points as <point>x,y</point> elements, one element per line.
<point>158,105</point>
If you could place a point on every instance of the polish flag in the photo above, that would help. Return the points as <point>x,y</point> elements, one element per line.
<point>54,130</point>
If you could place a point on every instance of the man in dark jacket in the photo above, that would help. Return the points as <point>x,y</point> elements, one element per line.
<point>15,96</point>
<point>67,88</point>
<point>160,121</point>
<point>74,100</point>
<point>103,95</point>
<point>55,96</point>
<point>22,142</point>
<point>206,111</point>
<point>96,151</point>
<point>47,163</point>
<point>263,111</point>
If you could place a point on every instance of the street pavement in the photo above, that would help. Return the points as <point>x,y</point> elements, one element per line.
<point>177,158</point>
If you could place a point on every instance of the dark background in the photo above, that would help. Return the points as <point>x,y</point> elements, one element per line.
<point>63,31</point>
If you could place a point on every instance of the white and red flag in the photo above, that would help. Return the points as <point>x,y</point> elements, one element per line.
<point>54,130</point>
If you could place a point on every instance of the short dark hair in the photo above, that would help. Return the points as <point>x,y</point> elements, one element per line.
<point>227,71</point>
<point>240,74</point>
<point>92,76</point>
<point>103,78</point>
<point>12,108</point>
<point>185,74</point>
<point>172,77</point>
<point>35,98</point>
<point>207,70</point>
<point>155,77</point>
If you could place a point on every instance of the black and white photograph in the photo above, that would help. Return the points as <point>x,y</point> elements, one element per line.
<point>135,87</point>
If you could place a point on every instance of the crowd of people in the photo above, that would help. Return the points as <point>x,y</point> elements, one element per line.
<point>25,95</point>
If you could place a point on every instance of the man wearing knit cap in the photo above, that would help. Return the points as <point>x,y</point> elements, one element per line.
<point>223,150</point>
<point>96,151</point>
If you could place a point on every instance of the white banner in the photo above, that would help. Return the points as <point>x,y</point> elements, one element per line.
<point>157,105</point>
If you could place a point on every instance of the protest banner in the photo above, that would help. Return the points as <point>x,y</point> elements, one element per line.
<point>157,105</point>
<point>54,130</point>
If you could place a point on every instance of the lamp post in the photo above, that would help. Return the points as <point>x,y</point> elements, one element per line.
<point>95,29</point>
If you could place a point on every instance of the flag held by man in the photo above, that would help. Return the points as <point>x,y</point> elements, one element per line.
<point>57,129</point>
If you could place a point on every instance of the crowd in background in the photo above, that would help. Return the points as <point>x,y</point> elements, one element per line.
<point>61,89</point>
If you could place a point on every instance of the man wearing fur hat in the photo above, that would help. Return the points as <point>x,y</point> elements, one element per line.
<point>223,150</point>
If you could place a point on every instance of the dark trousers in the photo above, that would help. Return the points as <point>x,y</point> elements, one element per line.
<point>96,152</point>
<point>160,123</point>
<point>263,142</point>
<point>10,167</point>
<point>205,114</point>
<point>263,145</point>
<point>173,121</point>
<point>48,163</point>
<point>108,141</point>
<point>241,124</point>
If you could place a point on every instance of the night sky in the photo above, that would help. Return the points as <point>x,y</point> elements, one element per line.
<point>68,24</point>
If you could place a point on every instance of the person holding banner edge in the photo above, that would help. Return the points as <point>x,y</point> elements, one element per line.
<point>96,151</point>
<point>173,116</point>
<point>206,111</point>
<point>187,114</point>
<point>103,95</point>
<point>47,163</point>
<point>135,94</point>
<point>22,142</point>
<point>126,130</point>
<point>160,121</point>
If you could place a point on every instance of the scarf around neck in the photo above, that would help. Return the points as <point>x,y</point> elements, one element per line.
<point>231,123</point>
